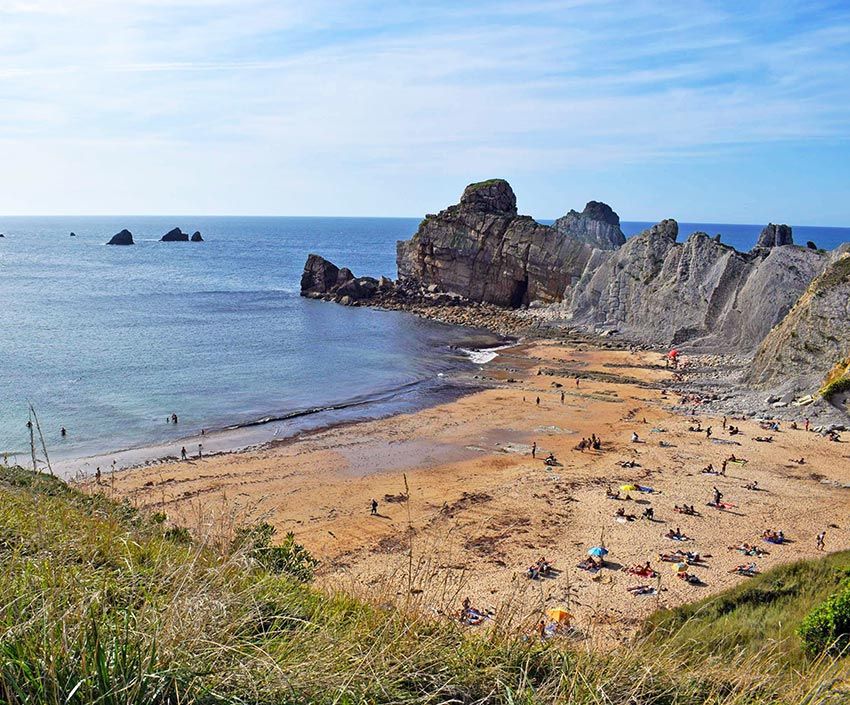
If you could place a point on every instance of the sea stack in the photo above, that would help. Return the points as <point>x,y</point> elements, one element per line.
<point>73,235</point>
<point>176,235</point>
<point>775,236</point>
<point>125,237</point>
<point>196,236</point>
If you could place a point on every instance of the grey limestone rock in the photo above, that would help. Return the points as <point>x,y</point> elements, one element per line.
<point>597,225</point>
<point>482,250</point>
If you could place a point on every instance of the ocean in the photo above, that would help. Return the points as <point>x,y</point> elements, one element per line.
<point>110,341</point>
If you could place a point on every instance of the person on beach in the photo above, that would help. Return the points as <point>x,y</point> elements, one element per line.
<point>635,437</point>
<point>374,505</point>
<point>97,474</point>
<point>562,396</point>
<point>708,432</point>
<point>63,432</point>
<point>807,424</point>
<point>820,541</point>
<point>534,449</point>
<point>718,495</point>
<point>200,451</point>
<point>538,401</point>
<point>576,381</point>
<point>183,452</point>
<point>724,423</point>
<point>723,467</point>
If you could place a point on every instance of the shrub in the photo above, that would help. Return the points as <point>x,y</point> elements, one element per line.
<point>289,557</point>
<point>836,387</point>
<point>827,627</point>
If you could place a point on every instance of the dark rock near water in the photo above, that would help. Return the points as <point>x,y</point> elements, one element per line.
<point>322,277</point>
<point>597,225</point>
<point>176,235</point>
<point>125,237</point>
<point>481,250</point>
<point>73,235</point>
<point>196,236</point>
<point>775,236</point>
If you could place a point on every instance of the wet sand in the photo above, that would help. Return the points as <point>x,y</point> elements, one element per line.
<point>464,508</point>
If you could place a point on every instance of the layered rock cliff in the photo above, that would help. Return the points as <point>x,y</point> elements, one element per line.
<point>597,225</point>
<point>812,340</point>
<point>700,291</point>
<point>483,250</point>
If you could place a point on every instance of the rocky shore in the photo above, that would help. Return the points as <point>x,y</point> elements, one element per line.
<point>480,263</point>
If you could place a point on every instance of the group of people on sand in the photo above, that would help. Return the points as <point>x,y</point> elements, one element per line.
<point>593,443</point>
<point>772,536</point>
<point>687,509</point>
<point>540,569</point>
<point>749,549</point>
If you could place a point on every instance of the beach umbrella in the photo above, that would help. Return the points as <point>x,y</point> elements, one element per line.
<point>628,488</point>
<point>597,551</point>
<point>559,614</point>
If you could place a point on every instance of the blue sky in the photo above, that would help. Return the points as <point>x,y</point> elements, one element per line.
<point>703,111</point>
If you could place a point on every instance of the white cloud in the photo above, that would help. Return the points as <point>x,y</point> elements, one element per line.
<point>248,92</point>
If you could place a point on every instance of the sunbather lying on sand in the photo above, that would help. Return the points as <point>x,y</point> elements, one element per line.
<point>590,565</point>
<point>686,509</point>
<point>611,494</point>
<point>641,590</point>
<point>754,486</point>
<point>748,569</point>
<point>621,514</point>
<point>749,550</point>
<point>764,439</point>
<point>644,571</point>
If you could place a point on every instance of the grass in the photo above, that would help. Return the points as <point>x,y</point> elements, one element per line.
<point>100,604</point>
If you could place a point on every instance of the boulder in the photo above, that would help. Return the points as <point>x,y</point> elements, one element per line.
<point>176,235</point>
<point>322,277</point>
<point>597,225</point>
<point>482,250</point>
<point>196,236</point>
<point>358,289</point>
<point>73,235</point>
<point>775,236</point>
<point>125,237</point>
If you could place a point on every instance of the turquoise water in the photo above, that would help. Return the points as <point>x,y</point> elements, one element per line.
<point>109,341</point>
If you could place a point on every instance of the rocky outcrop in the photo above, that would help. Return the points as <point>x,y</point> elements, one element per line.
<point>482,250</point>
<point>597,225</point>
<point>125,237</point>
<point>701,291</point>
<point>176,235</point>
<point>812,339</point>
<point>196,236</point>
<point>775,236</point>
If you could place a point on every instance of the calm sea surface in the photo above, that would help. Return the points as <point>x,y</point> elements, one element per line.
<point>108,341</point>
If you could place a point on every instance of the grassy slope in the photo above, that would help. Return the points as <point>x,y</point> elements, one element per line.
<point>98,606</point>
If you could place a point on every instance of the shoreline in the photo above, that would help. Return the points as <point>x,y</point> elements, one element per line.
<point>481,347</point>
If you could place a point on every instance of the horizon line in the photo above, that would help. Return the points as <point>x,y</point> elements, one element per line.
<point>380,217</point>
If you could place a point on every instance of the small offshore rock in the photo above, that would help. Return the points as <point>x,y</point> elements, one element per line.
<point>125,237</point>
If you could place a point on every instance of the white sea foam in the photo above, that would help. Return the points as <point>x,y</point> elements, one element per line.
<point>483,355</point>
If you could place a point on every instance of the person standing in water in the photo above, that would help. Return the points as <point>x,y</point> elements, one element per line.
<point>63,432</point>
<point>200,451</point>
<point>534,449</point>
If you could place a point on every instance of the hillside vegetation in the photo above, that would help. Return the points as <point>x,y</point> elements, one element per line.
<point>100,604</point>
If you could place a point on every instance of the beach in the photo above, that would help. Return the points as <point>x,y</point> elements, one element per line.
<point>464,509</point>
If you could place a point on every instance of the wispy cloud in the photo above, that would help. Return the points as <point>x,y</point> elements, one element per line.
<point>257,92</point>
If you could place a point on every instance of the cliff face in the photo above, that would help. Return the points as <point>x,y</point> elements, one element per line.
<point>482,250</point>
<point>597,225</point>
<point>813,339</point>
<point>661,291</point>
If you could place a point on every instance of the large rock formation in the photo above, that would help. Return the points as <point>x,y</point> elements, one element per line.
<point>657,290</point>
<point>482,250</point>
<point>597,225</point>
<point>125,237</point>
<point>196,236</point>
<point>176,235</point>
<point>812,340</point>
<point>775,236</point>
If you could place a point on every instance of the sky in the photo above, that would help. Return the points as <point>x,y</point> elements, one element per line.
<point>704,111</point>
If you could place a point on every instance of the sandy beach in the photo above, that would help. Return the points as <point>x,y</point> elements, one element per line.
<point>464,509</point>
